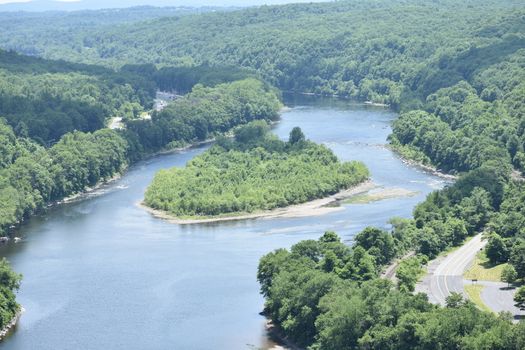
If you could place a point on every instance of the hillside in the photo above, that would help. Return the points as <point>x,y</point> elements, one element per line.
<point>367,50</point>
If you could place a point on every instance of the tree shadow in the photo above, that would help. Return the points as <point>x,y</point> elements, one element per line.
<point>488,264</point>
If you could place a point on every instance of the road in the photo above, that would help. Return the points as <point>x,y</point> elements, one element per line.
<point>498,297</point>
<point>445,274</point>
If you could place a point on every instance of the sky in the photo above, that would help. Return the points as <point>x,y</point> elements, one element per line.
<point>174,2</point>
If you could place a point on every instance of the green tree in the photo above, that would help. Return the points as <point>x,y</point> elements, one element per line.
<point>509,275</point>
<point>408,273</point>
<point>519,298</point>
<point>378,243</point>
<point>517,258</point>
<point>455,300</point>
<point>496,249</point>
<point>296,136</point>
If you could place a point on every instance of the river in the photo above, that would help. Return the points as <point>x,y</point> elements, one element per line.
<point>101,273</point>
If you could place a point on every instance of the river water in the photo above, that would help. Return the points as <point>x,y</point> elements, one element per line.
<point>101,273</point>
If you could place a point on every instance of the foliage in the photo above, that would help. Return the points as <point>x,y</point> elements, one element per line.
<point>374,51</point>
<point>508,227</point>
<point>32,176</point>
<point>44,99</point>
<point>519,298</point>
<point>497,250</point>
<point>203,114</point>
<point>509,274</point>
<point>9,284</point>
<point>408,272</point>
<point>256,171</point>
<point>322,308</point>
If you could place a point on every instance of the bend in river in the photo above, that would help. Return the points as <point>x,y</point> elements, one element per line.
<point>104,273</point>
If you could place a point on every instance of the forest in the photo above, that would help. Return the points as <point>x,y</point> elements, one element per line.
<point>326,295</point>
<point>32,175</point>
<point>455,71</point>
<point>203,114</point>
<point>255,171</point>
<point>43,99</point>
<point>383,50</point>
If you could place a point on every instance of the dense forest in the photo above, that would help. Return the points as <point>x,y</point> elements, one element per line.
<point>455,71</point>
<point>44,99</point>
<point>51,25</point>
<point>326,295</point>
<point>9,284</point>
<point>31,175</point>
<point>203,114</point>
<point>382,50</point>
<point>254,171</point>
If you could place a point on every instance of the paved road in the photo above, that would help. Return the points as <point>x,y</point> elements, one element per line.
<point>498,297</point>
<point>445,275</point>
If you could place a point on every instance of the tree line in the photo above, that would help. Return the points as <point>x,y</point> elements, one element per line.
<point>324,294</point>
<point>384,51</point>
<point>254,171</point>
<point>32,176</point>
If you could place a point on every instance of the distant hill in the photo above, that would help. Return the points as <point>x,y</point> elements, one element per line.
<point>53,5</point>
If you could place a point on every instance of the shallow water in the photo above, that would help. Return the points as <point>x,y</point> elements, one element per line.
<point>102,273</point>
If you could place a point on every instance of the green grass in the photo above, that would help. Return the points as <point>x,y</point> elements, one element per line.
<point>474,294</point>
<point>388,193</point>
<point>483,270</point>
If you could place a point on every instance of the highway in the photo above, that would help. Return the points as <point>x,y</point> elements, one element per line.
<point>445,274</point>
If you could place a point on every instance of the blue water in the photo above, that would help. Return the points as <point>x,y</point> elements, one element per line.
<point>101,273</point>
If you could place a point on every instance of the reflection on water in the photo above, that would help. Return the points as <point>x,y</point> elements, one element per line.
<point>103,273</point>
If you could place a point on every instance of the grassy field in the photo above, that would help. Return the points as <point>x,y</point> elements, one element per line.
<point>483,270</point>
<point>474,294</point>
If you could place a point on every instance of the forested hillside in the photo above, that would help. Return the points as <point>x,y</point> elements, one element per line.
<point>32,175</point>
<point>43,99</point>
<point>23,31</point>
<point>455,71</point>
<point>371,50</point>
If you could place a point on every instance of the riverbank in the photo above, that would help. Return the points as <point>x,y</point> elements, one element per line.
<point>366,103</point>
<point>277,335</point>
<point>427,168</point>
<point>11,325</point>
<point>315,207</point>
<point>89,190</point>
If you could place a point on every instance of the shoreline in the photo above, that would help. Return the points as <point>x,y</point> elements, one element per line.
<point>277,336</point>
<point>11,325</point>
<point>427,168</point>
<point>315,207</point>
<point>120,174</point>
<point>347,98</point>
<point>88,190</point>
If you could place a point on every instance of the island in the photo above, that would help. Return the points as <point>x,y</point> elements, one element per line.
<point>251,175</point>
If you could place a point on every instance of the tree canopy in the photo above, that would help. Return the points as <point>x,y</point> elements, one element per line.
<point>254,171</point>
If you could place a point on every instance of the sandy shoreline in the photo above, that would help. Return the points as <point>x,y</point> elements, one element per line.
<point>315,207</point>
